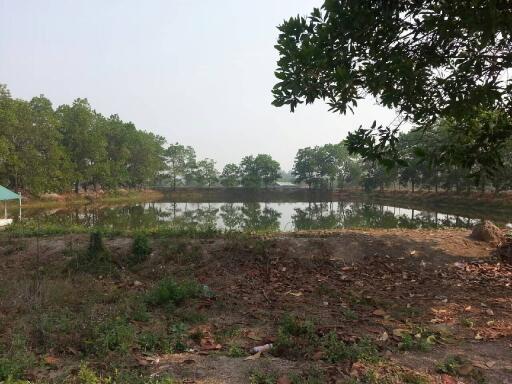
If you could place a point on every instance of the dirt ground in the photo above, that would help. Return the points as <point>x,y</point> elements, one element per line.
<point>435,304</point>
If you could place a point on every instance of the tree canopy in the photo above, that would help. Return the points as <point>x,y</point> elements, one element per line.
<point>43,149</point>
<point>430,60</point>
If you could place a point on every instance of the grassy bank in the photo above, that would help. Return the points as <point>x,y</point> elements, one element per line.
<point>234,195</point>
<point>474,204</point>
<point>111,197</point>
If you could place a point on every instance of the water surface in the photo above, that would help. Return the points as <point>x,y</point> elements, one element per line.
<point>254,216</point>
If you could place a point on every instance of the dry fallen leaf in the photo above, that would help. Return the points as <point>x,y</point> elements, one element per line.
<point>400,332</point>
<point>284,380</point>
<point>447,379</point>
<point>465,369</point>
<point>51,360</point>
<point>257,355</point>
<point>357,369</point>
<point>142,361</point>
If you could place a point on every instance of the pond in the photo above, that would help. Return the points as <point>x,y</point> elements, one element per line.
<point>254,216</point>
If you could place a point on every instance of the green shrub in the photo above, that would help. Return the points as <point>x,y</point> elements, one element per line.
<point>140,249</point>
<point>295,337</point>
<point>262,378</point>
<point>171,292</point>
<point>116,335</point>
<point>181,252</point>
<point>349,314</point>
<point>236,351</point>
<point>87,376</point>
<point>336,350</point>
<point>422,340</point>
<point>153,342</point>
<point>139,311</point>
<point>296,327</point>
<point>451,365</point>
<point>178,333</point>
<point>312,376</point>
<point>97,250</point>
<point>96,259</point>
<point>16,360</point>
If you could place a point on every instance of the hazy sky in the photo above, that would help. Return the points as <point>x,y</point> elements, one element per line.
<point>199,72</point>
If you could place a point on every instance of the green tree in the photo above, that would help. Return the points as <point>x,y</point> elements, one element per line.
<point>259,171</point>
<point>429,60</point>
<point>147,158</point>
<point>31,156</point>
<point>305,168</point>
<point>230,176</point>
<point>83,142</point>
<point>205,172</point>
<point>375,175</point>
<point>329,164</point>
<point>180,161</point>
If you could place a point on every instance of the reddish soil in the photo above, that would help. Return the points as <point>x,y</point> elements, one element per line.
<point>378,284</point>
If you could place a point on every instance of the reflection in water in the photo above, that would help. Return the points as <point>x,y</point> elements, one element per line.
<point>358,215</point>
<point>249,217</point>
<point>253,216</point>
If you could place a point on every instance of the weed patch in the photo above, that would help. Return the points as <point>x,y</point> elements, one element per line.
<point>86,375</point>
<point>16,360</point>
<point>96,259</point>
<point>140,249</point>
<point>295,337</point>
<point>258,377</point>
<point>114,335</point>
<point>181,252</point>
<point>419,340</point>
<point>236,351</point>
<point>336,350</point>
<point>169,292</point>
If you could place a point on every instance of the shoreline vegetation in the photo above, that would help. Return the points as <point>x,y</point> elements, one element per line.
<point>277,194</point>
<point>475,205</point>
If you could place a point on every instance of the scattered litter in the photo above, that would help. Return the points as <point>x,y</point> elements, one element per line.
<point>262,348</point>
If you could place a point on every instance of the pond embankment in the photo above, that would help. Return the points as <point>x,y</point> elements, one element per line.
<point>398,306</point>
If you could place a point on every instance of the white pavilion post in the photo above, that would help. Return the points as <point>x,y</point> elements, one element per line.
<point>19,200</point>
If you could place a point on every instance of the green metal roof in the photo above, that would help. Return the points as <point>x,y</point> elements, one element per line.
<point>6,194</point>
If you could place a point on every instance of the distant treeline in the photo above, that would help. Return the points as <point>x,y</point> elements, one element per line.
<point>73,147</point>
<point>421,165</point>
